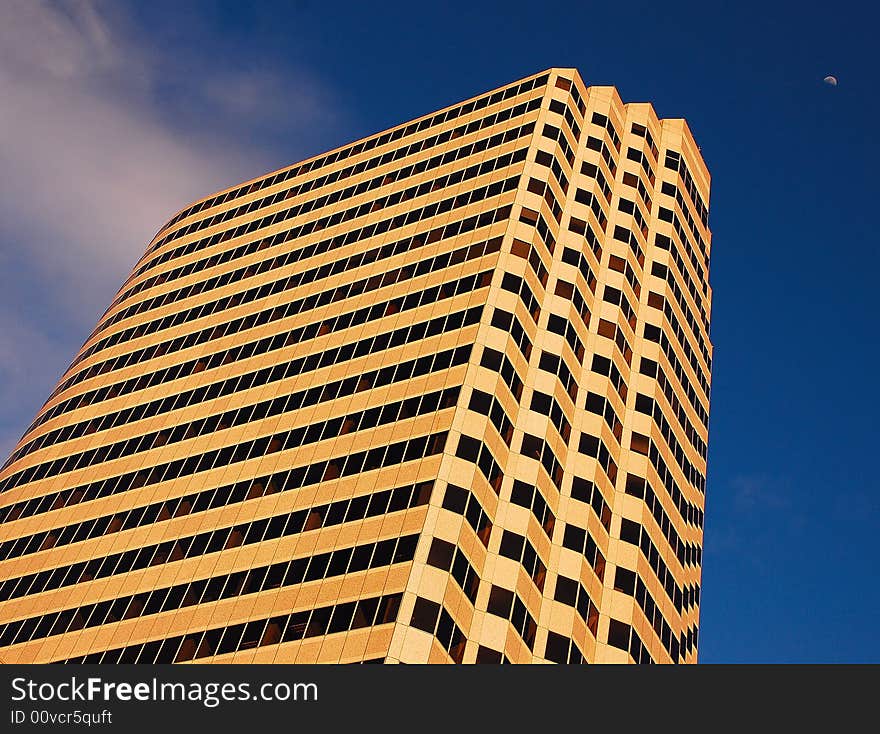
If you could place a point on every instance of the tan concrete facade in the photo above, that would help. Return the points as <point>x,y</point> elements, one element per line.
<point>440,395</point>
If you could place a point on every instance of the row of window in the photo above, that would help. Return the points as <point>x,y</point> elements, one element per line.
<point>646,446</point>
<point>283,284</point>
<point>372,345</point>
<point>400,220</point>
<point>363,146</point>
<point>668,215</point>
<point>689,511</point>
<point>297,437</point>
<point>304,252</point>
<point>674,193</point>
<point>341,322</point>
<point>240,416</point>
<point>275,630</point>
<point>413,242</point>
<point>412,216</point>
<point>688,554</point>
<point>376,458</point>
<point>292,256</point>
<point>689,352</point>
<point>399,174</point>
<point>217,539</point>
<point>634,533</point>
<point>665,242</point>
<point>666,274</point>
<point>646,405</point>
<point>656,334</point>
<point>335,563</point>
<point>257,378</point>
<point>653,369</point>
<point>676,408</point>
<point>303,305</point>
<point>675,162</point>
<point>631,583</point>
<point>190,504</point>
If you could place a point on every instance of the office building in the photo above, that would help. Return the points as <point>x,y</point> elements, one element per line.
<point>440,395</point>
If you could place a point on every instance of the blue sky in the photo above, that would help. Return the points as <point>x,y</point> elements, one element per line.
<point>113,116</point>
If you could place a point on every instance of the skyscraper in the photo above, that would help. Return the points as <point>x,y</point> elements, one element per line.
<point>440,395</point>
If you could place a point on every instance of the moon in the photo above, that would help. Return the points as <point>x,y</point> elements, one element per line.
<point>831,81</point>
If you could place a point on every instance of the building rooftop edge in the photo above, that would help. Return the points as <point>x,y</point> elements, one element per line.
<point>559,70</point>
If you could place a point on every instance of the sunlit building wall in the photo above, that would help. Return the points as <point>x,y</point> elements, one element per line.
<point>440,395</point>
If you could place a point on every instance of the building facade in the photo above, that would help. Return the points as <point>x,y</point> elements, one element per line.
<point>440,395</point>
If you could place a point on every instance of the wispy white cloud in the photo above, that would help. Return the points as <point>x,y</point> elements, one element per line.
<point>90,166</point>
<point>93,163</point>
<point>760,493</point>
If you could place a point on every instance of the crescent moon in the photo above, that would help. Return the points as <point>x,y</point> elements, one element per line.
<point>831,81</point>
